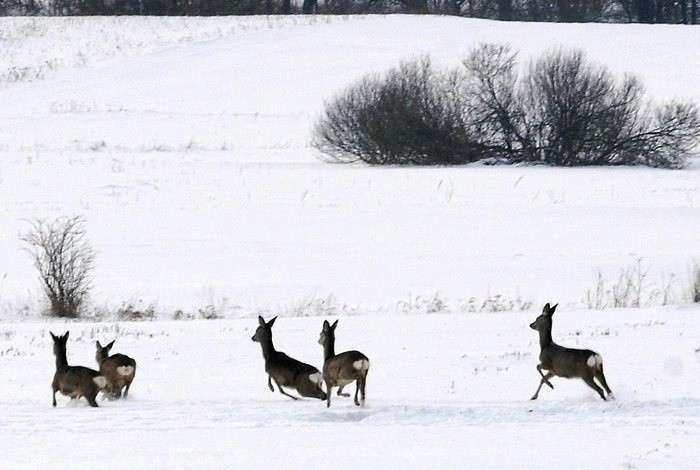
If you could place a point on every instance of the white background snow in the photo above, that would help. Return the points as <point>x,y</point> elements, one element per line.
<point>184,144</point>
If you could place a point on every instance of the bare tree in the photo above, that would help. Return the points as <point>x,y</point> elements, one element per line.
<point>65,261</point>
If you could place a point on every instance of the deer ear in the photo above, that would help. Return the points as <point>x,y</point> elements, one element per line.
<point>551,310</point>
<point>261,320</point>
<point>65,337</point>
<point>271,322</point>
<point>98,345</point>
<point>109,346</point>
<point>53,336</point>
<point>545,309</point>
<point>326,325</point>
<point>335,323</point>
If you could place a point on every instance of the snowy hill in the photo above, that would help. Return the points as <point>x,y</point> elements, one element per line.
<point>184,144</point>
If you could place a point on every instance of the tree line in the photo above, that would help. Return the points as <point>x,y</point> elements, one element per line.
<point>565,11</point>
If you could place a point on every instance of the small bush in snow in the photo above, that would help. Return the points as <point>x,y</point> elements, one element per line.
<point>695,284</point>
<point>130,312</point>
<point>633,288</point>
<point>65,261</point>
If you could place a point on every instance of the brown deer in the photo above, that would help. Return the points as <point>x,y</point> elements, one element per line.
<point>285,371</point>
<point>74,381</point>
<point>569,363</point>
<point>344,368</point>
<point>118,369</point>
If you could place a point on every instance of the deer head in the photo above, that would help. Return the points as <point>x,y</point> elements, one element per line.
<point>102,352</point>
<point>544,321</point>
<point>327,333</point>
<point>263,332</point>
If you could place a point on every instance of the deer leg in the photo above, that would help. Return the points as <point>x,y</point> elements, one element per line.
<point>591,383</point>
<point>54,398</point>
<point>340,392</point>
<point>539,369</point>
<point>269,383</point>
<point>126,392</point>
<point>545,379</point>
<point>328,393</point>
<point>90,397</point>
<point>601,378</point>
<point>362,389</point>
<point>279,387</point>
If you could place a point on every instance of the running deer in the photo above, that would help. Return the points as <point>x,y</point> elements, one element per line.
<point>569,363</point>
<point>285,371</point>
<point>344,368</point>
<point>118,369</point>
<point>74,381</point>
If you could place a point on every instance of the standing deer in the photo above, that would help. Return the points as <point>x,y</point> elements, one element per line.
<point>344,368</point>
<point>118,369</point>
<point>74,381</point>
<point>570,363</point>
<point>285,371</point>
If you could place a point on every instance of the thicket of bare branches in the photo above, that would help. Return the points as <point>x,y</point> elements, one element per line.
<point>562,110</point>
<point>566,111</point>
<point>409,116</point>
<point>65,261</point>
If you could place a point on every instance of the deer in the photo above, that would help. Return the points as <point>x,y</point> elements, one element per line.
<point>118,369</point>
<point>569,363</point>
<point>342,369</point>
<point>284,370</point>
<point>74,381</point>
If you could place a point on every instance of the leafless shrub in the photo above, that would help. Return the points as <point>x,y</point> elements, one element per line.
<point>210,312</point>
<point>65,261</point>
<point>136,311</point>
<point>420,304</point>
<point>633,288</point>
<point>568,112</point>
<point>694,291</point>
<point>495,303</point>
<point>409,116</point>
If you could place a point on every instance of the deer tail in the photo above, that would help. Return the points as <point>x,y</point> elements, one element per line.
<point>595,361</point>
<point>100,381</point>
<point>316,378</point>
<point>361,364</point>
<point>125,370</point>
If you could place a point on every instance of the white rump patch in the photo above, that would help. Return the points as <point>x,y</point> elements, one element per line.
<point>361,364</point>
<point>125,370</point>
<point>100,381</point>
<point>316,378</point>
<point>594,361</point>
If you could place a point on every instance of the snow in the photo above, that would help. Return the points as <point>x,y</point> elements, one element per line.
<point>184,144</point>
<point>442,389</point>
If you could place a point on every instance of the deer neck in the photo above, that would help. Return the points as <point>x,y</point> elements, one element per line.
<point>546,337</point>
<point>329,347</point>
<point>61,360</point>
<point>101,356</point>
<point>268,349</point>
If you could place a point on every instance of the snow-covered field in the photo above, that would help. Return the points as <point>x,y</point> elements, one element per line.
<point>184,144</point>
